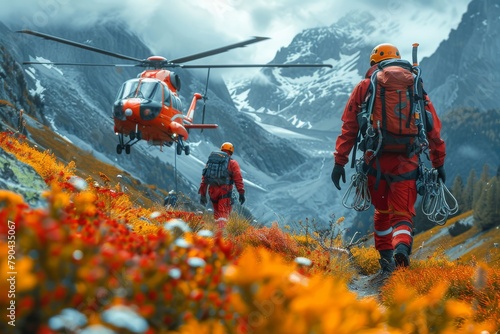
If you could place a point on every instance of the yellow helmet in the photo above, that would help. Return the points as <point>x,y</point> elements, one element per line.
<point>382,52</point>
<point>227,147</point>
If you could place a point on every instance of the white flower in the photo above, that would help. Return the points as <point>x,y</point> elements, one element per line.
<point>68,319</point>
<point>175,273</point>
<point>196,262</point>
<point>304,261</point>
<point>177,223</point>
<point>155,214</point>
<point>205,233</point>
<point>124,317</point>
<point>78,182</point>
<point>77,254</point>
<point>182,243</point>
<point>298,278</point>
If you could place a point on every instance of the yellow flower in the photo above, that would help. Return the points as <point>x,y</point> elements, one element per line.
<point>9,201</point>
<point>256,264</point>
<point>207,327</point>
<point>458,309</point>
<point>84,203</point>
<point>57,199</point>
<point>26,280</point>
<point>16,272</point>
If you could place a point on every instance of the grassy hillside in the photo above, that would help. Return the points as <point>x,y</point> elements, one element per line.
<point>470,246</point>
<point>97,257</point>
<point>87,165</point>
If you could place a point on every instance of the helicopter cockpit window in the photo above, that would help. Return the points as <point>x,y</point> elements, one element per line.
<point>150,90</point>
<point>167,96</point>
<point>128,89</point>
<point>145,89</point>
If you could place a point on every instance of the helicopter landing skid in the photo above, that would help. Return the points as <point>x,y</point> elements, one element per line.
<point>134,137</point>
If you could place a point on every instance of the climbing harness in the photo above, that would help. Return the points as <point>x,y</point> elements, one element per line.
<point>435,196</point>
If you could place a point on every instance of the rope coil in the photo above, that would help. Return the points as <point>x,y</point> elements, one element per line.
<point>361,200</point>
<point>435,196</point>
<point>358,196</point>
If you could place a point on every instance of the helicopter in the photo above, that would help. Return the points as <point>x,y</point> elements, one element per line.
<point>148,107</point>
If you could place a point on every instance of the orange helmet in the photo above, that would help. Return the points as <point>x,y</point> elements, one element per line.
<point>227,147</point>
<point>383,52</point>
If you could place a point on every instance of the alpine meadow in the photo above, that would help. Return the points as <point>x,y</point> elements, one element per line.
<point>93,241</point>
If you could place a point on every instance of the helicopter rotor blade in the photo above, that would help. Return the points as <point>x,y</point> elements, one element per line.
<point>255,39</point>
<point>78,45</point>
<point>76,64</point>
<point>256,65</point>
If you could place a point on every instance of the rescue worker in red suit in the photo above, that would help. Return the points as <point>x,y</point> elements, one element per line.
<point>221,195</point>
<point>395,195</point>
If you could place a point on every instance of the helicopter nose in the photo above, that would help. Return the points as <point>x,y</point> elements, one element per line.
<point>128,112</point>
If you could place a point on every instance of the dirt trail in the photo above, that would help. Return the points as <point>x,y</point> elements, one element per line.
<point>364,286</point>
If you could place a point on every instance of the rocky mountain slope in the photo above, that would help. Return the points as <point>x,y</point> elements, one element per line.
<point>464,67</point>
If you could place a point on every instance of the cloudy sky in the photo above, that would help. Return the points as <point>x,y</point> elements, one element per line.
<point>176,28</point>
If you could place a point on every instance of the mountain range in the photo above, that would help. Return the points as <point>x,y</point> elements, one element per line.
<point>283,122</point>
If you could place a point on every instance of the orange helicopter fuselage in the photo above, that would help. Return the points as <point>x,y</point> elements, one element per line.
<point>150,105</point>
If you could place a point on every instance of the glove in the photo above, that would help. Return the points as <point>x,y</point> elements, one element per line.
<point>337,172</point>
<point>203,200</point>
<point>242,199</point>
<point>441,173</point>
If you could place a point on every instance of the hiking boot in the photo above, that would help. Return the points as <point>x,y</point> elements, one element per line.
<point>402,255</point>
<point>387,260</point>
<point>387,266</point>
<point>386,269</point>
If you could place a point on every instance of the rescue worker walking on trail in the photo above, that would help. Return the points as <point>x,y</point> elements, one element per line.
<point>391,175</point>
<point>220,191</point>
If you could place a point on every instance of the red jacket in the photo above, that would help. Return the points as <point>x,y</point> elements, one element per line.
<point>217,191</point>
<point>347,138</point>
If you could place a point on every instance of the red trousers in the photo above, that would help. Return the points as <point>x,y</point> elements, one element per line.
<point>221,202</point>
<point>393,195</point>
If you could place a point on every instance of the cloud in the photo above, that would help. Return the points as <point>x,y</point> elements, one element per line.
<point>179,28</point>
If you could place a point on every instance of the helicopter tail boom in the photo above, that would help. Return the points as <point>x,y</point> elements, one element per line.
<point>201,126</point>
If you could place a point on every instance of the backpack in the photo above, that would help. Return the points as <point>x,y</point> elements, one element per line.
<point>393,114</point>
<point>216,171</point>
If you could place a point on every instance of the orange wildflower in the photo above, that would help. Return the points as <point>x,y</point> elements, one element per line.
<point>84,203</point>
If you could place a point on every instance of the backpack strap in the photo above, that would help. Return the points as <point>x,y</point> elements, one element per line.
<point>412,108</point>
<point>384,109</point>
<point>359,136</point>
<point>367,105</point>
